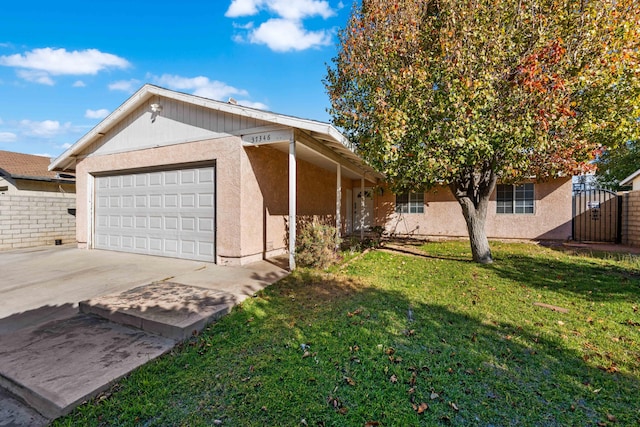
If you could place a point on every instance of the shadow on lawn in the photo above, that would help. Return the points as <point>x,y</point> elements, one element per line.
<point>467,371</point>
<point>374,353</point>
<point>573,275</point>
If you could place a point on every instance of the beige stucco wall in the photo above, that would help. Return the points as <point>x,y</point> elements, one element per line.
<point>442,215</point>
<point>226,154</point>
<point>252,192</point>
<point>36,188</point>
<point>265,199</point>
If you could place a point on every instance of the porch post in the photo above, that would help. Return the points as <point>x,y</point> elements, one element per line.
<point>292,203</point>
<point>339,199</point>
<point>362,207</point>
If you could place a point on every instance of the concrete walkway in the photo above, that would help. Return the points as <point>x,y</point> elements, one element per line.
<point>53,357</point>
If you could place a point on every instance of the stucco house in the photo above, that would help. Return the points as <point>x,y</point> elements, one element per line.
<point>633,180</point>
<point>178,175</point>
<point>37,206</point>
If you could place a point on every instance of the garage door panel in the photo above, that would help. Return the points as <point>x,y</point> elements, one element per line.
<point>155,179</point>
<point>171,178</point>
<point>206,176</point>
<point>127,242</point>
<point>155,201</point>
<point>206,249</point>
<point>127,221</point>
<point>188,177</point>
<point>205,224</point>
<point>171,201</point>
<point>205,200</point>
<point>140,243</point>
<point>169,213</point>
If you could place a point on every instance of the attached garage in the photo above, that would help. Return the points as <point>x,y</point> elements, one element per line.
<point>177,175</point>
<point>167,213</point>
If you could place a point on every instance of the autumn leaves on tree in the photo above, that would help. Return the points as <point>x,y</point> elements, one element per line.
<point>466,93</point>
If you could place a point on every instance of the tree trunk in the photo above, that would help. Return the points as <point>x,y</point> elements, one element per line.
<point>472,191</point>
<point>476,219</point>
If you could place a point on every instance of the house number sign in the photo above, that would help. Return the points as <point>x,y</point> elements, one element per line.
<point>268,137</point>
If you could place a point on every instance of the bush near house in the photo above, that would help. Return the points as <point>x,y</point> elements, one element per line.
<point>317,245</point>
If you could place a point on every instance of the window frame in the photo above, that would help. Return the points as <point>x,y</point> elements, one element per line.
<point>410,203</point>
<point>516,199</point>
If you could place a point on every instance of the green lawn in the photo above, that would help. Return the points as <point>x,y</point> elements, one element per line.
<point>400,340</point>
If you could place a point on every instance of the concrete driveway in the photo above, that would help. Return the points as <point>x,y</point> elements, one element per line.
<point>54,357</point>
<point>46,282</point>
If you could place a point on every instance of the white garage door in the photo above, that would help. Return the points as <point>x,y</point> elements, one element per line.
<point>167,213</point>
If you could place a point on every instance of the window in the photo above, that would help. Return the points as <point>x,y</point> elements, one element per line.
<point>410,203</point>
<point>516,199</point>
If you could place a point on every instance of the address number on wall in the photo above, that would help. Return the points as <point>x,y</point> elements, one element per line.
<point>268,137</point>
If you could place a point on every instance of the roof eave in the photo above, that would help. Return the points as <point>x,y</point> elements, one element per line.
<point>629,180</point>
<point>66,160</point>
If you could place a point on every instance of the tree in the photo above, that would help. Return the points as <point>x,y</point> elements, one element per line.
<point>466,93</point>
<point>617,163</point>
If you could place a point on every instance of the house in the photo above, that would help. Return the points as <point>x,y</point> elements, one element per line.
<point>630,210</point>
<point>178,175</point>
<point>528,211</point>
<point>633,180</point>
<point>37,206</point>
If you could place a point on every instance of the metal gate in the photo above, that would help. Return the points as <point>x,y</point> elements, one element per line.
<point>597,216</point>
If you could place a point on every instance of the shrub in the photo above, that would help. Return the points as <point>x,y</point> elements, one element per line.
<point>316,245</point>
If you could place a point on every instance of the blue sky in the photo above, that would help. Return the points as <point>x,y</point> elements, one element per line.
<point>65,65</point>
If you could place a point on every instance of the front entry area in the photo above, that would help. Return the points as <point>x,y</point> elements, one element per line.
<point>167,213</point>
<point>363,218</point>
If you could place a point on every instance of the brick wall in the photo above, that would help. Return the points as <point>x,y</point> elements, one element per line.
<point>27,221</point>
<point>631,218</point>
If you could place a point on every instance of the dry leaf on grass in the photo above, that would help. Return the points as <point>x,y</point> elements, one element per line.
<point>420,408</point>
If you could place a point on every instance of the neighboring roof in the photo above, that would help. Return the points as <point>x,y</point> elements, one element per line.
<point>324,132</point>
<point>629,180</point>
<point>29,166</point>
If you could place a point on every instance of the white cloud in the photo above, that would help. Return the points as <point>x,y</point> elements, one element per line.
<point>288,9</point>
<point>62,62</point>
<point>36,76</point>
<point>247,26</point>
<point>282,35</point>
<point>128,86</point>
<point>79,83</point>
<point>251,104</point>
<point>45,128</point>
<point>285,32</point>
<point>65,146</point>
<point>243,8</point>
<point>96,114</point>
<point>8,137</point>
<point>200,86</point>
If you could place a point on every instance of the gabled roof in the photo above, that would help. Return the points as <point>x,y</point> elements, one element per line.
<point>28,166</point>
<point>326,133</point>
<point>629,180</point>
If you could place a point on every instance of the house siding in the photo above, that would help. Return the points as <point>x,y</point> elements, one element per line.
<point>225,152</point>
<point>27,221</point>
<point>265,199</point>
<point>178,122</point>
<point>443,217</point>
